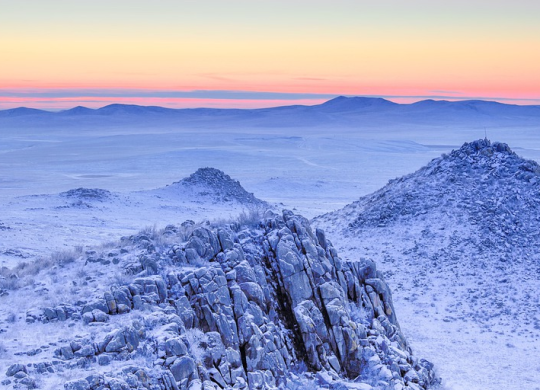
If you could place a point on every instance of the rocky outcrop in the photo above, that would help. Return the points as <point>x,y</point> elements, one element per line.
<point>215,184</point>
<point>468,218</point>
<point>265,308</point>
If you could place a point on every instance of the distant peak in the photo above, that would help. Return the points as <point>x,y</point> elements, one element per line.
<point>21,111</point>
<point>116,107</point>
<point>356,103</point>
<point>484,147</point>
<point>208,173</point>
<point>119,105</point>
<point>360,100</point>
<point>484,160</point>
<point>78,110</point>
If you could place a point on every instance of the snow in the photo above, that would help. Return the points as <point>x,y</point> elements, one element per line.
<point>37,225</point>
<point>458,241</point>
<point>310,160</point>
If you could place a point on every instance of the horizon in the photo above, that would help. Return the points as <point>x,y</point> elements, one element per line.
<point>399,101</point>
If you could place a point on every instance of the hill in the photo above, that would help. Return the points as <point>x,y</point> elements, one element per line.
<point>211,184</point>
<point>459,238</point>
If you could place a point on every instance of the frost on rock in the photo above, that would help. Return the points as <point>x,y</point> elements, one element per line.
<point>261,308</point>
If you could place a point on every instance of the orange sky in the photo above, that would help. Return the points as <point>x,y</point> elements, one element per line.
<point>416,48</point>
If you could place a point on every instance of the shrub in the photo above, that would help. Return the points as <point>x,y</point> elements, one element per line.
<point>246,218</point>
<point>9,282</point>
<point>12,279</point>
<point>250,218</point>
<point>196,339</point>
<point>63,257</point>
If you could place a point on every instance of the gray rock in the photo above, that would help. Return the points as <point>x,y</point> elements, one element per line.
<point>99,305</point>
<point>175,347</point>
<point>104,360</point>
<point>253,292</point>
<point>244,316</point>
<point>67,352</point>
<point>79,384</point>
<point>224,240</point>
<point>216,377</point>
<point>118,384</point>
<point>122,309</point>
<point>411,376</point>
<point>110,302</point>
<point>87,317</point>
<point>15,368</point>
<point>184,368</point>
<point>86,351</point>
<point>168,381</point>
<point>100,316</point>
<point>117,343</point>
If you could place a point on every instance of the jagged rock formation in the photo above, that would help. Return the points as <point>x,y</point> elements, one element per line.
<point>264,308</point>
<point>213,183</point>
<point>465,224</point>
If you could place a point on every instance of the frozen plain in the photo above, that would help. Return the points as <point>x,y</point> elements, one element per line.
<point>310,165</point>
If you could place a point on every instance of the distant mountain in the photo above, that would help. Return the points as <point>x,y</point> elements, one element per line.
<point>23,111</point>
<point>348,104</point>
<point>129,109</point>
<point>79,110</point>
<point>478,107</point>
<point>340,104</point>
<point>347,111</point>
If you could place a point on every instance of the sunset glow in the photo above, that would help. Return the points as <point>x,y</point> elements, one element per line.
<point>400,50</point>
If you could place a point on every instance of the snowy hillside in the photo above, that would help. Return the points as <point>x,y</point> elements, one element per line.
<point>459,239</point>
<point>37,225</point>
<point>263,306</point>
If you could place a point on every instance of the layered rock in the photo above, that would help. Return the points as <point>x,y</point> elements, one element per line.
<point>261,308</point>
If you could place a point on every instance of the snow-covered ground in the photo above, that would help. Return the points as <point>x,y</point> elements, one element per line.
<point>313,169</point>
<point>38,225</point>
<point>458,241</point>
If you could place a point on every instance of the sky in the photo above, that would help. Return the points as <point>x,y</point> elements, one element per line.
<point>58,54</point>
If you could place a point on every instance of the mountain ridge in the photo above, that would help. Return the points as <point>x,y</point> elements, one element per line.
<point>338,104</point>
